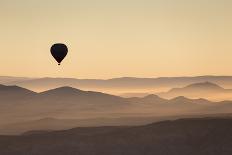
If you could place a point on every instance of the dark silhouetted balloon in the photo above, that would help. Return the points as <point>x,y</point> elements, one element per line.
<point>59,51</point>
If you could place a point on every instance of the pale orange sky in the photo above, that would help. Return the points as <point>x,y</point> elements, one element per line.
<point>106,38</point>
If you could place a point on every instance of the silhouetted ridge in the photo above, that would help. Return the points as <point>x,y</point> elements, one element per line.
<point>153,99</point>
<point>205,85</point>
<point>12,94</point>
<point>1,86</point>
<point>62,91</point>
<point>207,90</point>
<point>205,136</point>
<point>152,96</point>
<point>180,98</point>
<point>14,90</point>
<point>73,91</point>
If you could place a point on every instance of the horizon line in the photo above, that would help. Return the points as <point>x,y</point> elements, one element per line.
<point>121,77</point>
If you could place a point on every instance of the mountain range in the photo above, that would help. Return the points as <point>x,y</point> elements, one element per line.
<point>116,85</point>
<point>205,90</point>
<point>19,105</point>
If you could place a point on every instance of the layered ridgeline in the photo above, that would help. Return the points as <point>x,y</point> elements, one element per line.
<point>22,110</point>
<point>206,136</point>
<point>205,90</point>
<point>123,85</point>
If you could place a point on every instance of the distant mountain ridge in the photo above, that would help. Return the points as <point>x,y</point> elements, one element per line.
<point>205,90</point>
<point>117,85</point>
<point>8,79</point>
<point>200,86</point>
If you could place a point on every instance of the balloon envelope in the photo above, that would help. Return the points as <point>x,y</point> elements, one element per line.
<point>59,51</point>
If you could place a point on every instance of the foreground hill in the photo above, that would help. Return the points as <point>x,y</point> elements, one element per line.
<point>205,90</point>
<point>207,136</point>
<point>53,124</point>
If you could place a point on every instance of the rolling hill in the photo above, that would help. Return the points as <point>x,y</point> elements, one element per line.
<point>205,136</point>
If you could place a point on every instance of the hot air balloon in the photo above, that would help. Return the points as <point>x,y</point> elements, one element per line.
<point>59,51</point>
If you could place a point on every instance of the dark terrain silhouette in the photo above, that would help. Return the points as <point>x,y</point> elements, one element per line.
<point>206,136</point>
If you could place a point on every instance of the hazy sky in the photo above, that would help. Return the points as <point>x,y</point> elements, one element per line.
<point>114,38</point>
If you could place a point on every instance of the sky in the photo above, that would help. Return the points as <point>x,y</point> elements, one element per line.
<point>116,38</point>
